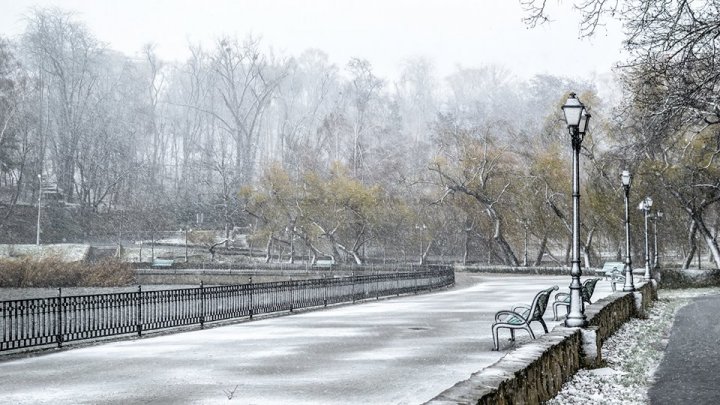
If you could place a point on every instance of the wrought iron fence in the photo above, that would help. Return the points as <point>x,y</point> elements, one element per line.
<point>48,321</point>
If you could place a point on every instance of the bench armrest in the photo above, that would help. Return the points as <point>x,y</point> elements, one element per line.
<point>561,296</point>
<point>523,310</point>
<point>501,316</point>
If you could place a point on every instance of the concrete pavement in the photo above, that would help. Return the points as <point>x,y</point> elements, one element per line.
<point>398,351</point>
<point>688,373</point>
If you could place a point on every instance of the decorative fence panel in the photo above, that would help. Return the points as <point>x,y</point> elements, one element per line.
<point>47,321</point>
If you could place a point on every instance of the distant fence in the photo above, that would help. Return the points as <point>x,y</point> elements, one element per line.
<point>53,321</point>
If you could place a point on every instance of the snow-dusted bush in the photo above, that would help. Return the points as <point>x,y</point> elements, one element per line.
<point>52,272</point>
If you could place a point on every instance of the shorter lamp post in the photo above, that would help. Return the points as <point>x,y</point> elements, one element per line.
<point>37,235</point>
<point>645,206</point>
<point>658,217</point>
<point>629,284</point>
<point>422,229</point>
<point>525,259</point>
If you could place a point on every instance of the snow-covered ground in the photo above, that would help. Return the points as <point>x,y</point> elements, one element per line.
<point>397,351</point>
<point>632,355</point>
<point>67,252</point>
<point>394,351</point>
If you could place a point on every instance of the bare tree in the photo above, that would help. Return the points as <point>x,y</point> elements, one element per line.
<point>246,83</point>
<point>67,55</point>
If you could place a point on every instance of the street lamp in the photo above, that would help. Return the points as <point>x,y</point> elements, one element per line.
<point>629,285</point>
<point>658,217</point>
<point>576,118</point>
<point>422,229</point>
<point>645,206</point>
<point>525,260</point>
<point>37,235</point>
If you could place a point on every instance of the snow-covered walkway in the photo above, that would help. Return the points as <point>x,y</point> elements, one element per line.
<point>399,351</point>
<point>632,354</point>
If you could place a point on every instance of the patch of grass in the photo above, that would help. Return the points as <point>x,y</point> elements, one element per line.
<point>55,273</point>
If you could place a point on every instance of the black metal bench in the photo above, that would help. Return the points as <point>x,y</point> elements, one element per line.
<point>521,316</point>
<point>586,292</point>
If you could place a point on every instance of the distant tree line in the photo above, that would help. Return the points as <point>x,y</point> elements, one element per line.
<point>316,159</point>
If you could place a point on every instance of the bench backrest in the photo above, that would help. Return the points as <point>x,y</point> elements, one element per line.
<point>539,304</point>
<point>588,288</point>
<point>610,266</point>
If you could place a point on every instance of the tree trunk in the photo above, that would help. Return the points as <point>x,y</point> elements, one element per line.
<point>568,251</point>
<point>466,246</point>
<point>268,249</point>
<point>587,249</point>
<point>691,242</point>
<point>543,247</point>
<point>423,259</point>
<point>709,240</point>
<point>509,257</point>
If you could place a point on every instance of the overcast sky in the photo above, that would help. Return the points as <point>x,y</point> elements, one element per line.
<point>467,33</point>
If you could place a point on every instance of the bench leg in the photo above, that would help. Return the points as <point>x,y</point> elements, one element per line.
<point>496,344</point>
<point>543,325</point>
<point>555,308</point>
<point>532,335</point>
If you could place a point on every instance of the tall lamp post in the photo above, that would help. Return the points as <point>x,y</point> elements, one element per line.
<point>658,216</point>
<point>645,206</point>
<point>629,284</point>
<point>576,118</point>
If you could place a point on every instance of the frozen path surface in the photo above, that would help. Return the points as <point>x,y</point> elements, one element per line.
<point>399,351</point>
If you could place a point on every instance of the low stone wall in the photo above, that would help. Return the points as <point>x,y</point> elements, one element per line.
<point>536,371</point>
<point>541,270</point>
<point>513,270</point>
<point>224,277</point>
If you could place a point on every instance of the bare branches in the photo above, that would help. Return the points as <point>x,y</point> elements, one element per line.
<point>593,13</point>
<point>535,12</point>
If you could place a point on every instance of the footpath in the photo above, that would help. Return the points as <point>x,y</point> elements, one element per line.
<point>690,370</point>
<point>402,350</point>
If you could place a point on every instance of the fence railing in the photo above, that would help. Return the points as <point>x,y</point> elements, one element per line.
<point>53,321</point>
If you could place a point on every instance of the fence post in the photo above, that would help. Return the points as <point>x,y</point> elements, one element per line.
<point>377,286</point>
<point>325,284</point>
<point>250,290</point>
<point>202,305</point>
<point>352,279</point>
<point>138,320</point>
<point>397,283</point>
<point>290,285</point>
<point>415,281</point>
<point>59,323</point>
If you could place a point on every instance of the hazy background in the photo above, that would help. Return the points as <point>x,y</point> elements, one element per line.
<point>449,33</point>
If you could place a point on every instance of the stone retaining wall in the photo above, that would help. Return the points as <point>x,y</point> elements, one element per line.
<point>536,371</point>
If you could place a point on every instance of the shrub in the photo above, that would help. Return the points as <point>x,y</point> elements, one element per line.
<point>55,273</point>
<point>675,278</point>
<point>201,237</point>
